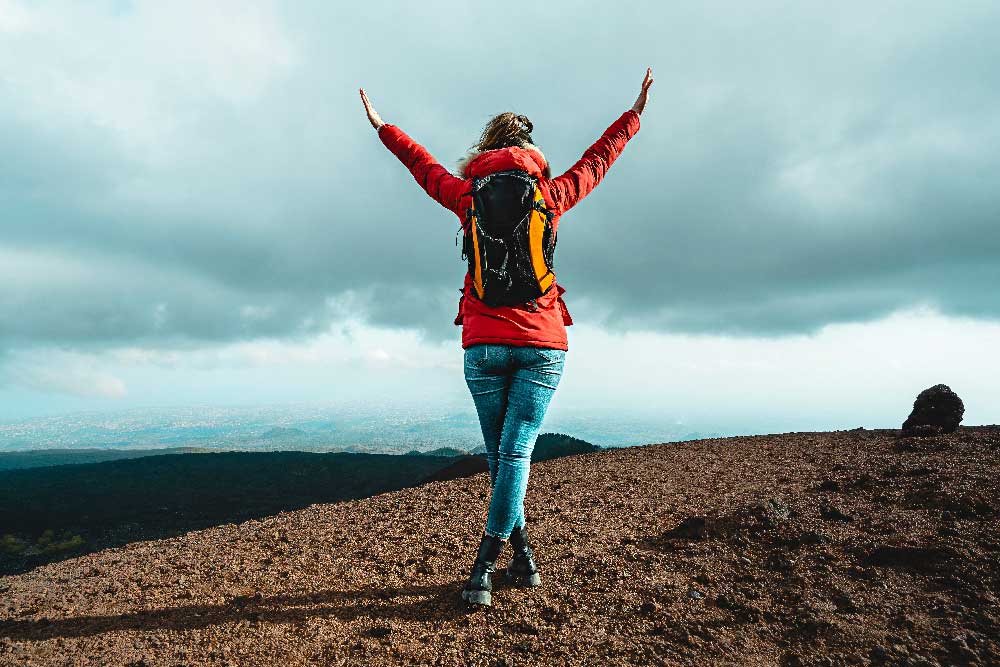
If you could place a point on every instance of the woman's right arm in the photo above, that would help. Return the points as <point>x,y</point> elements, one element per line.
<point>443,187</point>
<point>567,190</point>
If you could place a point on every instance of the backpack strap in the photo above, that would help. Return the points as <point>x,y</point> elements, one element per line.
<point>543,209</point>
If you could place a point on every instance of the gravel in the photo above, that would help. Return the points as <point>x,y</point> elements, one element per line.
<point>734,551</point>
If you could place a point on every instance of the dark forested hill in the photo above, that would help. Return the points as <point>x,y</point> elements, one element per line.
<point>52,512</point>
<point>37,458</point>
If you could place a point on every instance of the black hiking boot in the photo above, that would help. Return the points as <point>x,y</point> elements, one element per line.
<point>478,590</point>
<point>522,570</point>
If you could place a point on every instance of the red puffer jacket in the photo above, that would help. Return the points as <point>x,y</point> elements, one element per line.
<point>544,326</point>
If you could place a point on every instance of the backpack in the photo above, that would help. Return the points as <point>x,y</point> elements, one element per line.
<point>509,240</point>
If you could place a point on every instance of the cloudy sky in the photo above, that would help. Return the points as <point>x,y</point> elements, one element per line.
<point>803,234</point>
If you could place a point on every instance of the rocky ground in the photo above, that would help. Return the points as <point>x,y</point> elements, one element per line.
<point>846,548</point>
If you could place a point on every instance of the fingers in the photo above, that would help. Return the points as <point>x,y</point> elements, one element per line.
<point>373,116</point>
<point>647,81</point>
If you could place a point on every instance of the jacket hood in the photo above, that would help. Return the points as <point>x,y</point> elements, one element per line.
<point>528,157</point>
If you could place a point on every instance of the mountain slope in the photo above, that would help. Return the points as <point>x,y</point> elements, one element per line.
<point>841,548</point>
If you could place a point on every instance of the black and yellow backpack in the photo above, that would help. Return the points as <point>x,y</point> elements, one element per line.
<point>509,241</point>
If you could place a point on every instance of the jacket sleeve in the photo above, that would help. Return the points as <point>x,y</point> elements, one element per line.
<point>567,190</point>
<point>438,182</point>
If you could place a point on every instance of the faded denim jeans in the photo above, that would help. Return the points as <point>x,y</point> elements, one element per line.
<point>511,386</point>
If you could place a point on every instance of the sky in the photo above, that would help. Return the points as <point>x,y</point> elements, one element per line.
<point>802,235</point>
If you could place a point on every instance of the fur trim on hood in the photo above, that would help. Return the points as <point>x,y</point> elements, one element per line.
<point>463,164</point>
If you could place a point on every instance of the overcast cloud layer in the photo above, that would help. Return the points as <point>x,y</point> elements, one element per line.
<point>182,171</point>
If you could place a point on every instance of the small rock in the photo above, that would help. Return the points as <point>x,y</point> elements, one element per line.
<point>695,594</point>
<point>524,627</point>
<point>833,513</point>
<point>691,528</point>
<point>830,485</point>
<point>775,511</point>
<point>878,654</point>
<point>779,562</point>
<point>659,628</point>
<point>813,537</point>
<point>844,602</point>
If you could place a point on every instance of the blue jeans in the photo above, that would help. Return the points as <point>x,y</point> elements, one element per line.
<point>511,386</point>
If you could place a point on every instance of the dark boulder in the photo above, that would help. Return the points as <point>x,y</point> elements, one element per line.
<point>937,410</point>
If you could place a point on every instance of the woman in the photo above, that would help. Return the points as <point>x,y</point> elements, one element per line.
<point>513,354</point>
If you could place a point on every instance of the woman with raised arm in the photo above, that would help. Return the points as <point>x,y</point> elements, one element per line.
<point>514,352</point>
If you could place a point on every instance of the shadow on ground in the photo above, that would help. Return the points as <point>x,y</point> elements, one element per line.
<point>411,603</point>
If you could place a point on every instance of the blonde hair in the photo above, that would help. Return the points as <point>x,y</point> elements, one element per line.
<point>503,130</point>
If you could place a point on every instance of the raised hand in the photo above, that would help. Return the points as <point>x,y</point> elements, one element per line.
<point>640,102</point>
<point>373,116</point>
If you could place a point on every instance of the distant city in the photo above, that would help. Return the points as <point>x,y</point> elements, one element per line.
<point>369,427</point>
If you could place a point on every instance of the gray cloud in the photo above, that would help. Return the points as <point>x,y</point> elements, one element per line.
<point>795,167</point>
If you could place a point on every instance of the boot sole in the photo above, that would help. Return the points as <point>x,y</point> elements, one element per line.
<point>523,581</point>
<point>482,598</point>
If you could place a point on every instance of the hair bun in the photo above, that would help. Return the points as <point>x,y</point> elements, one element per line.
<point>528,127</point>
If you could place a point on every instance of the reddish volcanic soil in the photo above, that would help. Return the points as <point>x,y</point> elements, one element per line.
<point>845,548</point>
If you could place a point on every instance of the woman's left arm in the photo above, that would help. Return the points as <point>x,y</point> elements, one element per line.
<point>443,187</point>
